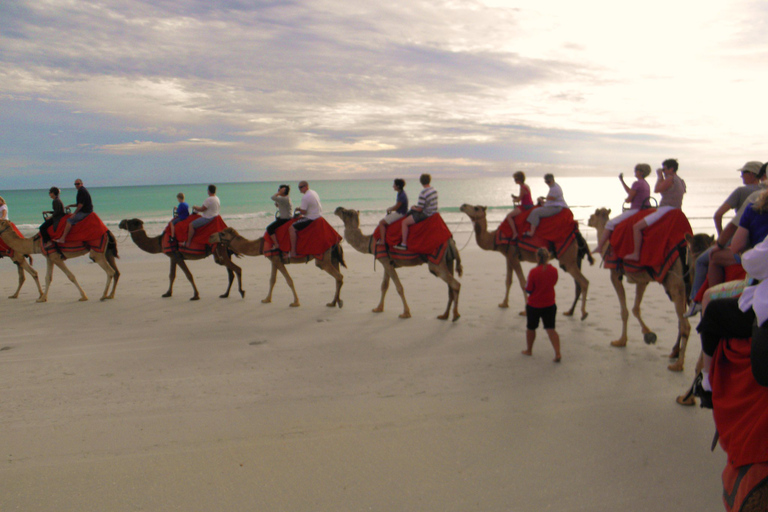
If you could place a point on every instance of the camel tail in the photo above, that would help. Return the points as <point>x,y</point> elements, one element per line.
<point>583,250</point>
<point>112,244</point>
<point>338,253</point>
<point>682,254</point>
<point>454,252</point>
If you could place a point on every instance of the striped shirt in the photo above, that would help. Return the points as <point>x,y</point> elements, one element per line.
<point>428,201</point>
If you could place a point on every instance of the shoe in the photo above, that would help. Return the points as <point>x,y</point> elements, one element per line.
<point>401,247</point>
<point>699,391</point>
<point>694,309</point>
<point>171,240</point>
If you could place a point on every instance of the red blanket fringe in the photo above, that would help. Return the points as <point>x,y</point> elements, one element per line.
<point>199,245</point>
<point>740,410</point>
<point>90,234</point>
<point>661,243</point>
<point>428,238</point>
<point>558,232</point>
<point>314,240</point>
<point>732,273</point>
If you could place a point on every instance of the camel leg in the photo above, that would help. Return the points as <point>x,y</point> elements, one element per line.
<point>230,280</point>
<point>102,262</point>
<point>582,283</point>
<point>389,270</point>
<point>687,398</point>
<point>34,275</point>
<point>183,266</point>
<point>622,295</point>
<point>384,288</point>
<point>59,263</point>
<point>337,275</point>
<point>453,295</point>
<point>116,276</point>
<point>684,328</point>
<point>508,283</point>
<point>277,264</point>
<point>575,300</point>
<point>21,279</point>
<point>272,281</point>
<point>171,279</point>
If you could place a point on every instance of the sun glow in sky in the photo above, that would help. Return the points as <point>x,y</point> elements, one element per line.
<point>142,92</point>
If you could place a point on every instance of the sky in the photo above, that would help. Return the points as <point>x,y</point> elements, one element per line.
<point>131,92</point>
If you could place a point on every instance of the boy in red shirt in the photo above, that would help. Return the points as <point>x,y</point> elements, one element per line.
<point>541,303</point>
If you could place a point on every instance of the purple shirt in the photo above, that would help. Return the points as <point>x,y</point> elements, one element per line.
<point>642,193</point>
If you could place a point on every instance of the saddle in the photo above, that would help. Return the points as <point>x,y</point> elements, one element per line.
<point>426,239</point>
<point>555,233</point>
<point>88,234</point>
<point>199,244</point>
<point>4,249</point>
<point>313,240</point>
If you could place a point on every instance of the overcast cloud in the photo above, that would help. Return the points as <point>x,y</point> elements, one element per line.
<point>133,92</point>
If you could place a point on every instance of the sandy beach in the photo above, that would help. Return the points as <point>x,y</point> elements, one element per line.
<point>150,404</point>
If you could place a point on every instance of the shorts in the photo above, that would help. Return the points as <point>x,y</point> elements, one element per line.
<point>201,221</point>
<point>176,220</point>
<point>392,217</point>
<point>419,216</point>
<point>276,224</point>
<point>77,217</point>
<point>546,314</point>
<point>302,223</point>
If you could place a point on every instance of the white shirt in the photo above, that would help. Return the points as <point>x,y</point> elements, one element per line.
<point>310,203</point>
<point>212,207</point>
<point>4,208</point>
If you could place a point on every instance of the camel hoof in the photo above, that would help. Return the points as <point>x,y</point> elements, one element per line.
<point>295,304</point>
<point>686,400</point>
<point>41,300</point>
<point>266,301</point>
<point>196,297</point>
<point>522,313</point>
<point>405,315</point>
<point>568,313</point>
<point>675,367</point>
<point>13,296</point>
<point>341,303</point>
<point>675,353</point>
<point>649,338</point>
<point>83,299</point>
<point>504,305</point>
<point>379,310</point>
<point>456,317</point>
<point>331,305</point>
<point>167,294</point>
<point>224,296</point>
<point>617,343</point>
<point>584,316</point>
<point>442,317</point>
<point>242,294</point>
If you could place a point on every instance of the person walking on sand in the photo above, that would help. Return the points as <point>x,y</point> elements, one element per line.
<point>394,212</point>
<point>541,303</point>
<point>208,211</point>
<point>83,208</point>
<point>284,211</point>
<point>426,207</point>
<point>310,210</point>
<point>548,206</point>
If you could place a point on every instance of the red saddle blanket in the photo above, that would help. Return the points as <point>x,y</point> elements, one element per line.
<point>199,244</point>
<point>740,410</point>
<point>661,243</point>
<point>558,231</point>
<point>428,238</point>
<point>88,234</point>
<point>4,249</point>
<point>313,240</point>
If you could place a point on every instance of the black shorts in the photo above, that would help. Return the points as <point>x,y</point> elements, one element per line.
<point>273,227</point>
<point>724,319</point>
<point>419,216</point>
<point>302,223</point>
<point>546,314</point>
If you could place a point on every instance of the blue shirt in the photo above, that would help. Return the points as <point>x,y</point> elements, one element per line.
<point>756,223</point>
<point>402,198</point>
<point>182,211</point>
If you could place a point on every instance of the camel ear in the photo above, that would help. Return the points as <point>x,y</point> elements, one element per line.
<point>608,212</point>
<point>484,208</point>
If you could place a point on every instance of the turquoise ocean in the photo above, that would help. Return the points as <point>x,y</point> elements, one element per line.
<point>247,207</point>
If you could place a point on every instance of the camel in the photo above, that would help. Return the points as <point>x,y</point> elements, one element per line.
<point>105,260</point>
<point>675,283</point>
<point>20,260</point>
<point>154,245</point>
<point>443,270</point>
<point>330,262</point>
<point>570,259</point>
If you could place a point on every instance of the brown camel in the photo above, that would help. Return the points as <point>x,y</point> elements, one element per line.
<point>443,270</point>
<point>20,260</point>
<point>570,259</point>
<point>330,262</point>
<point>154,245</point>
<point>675,284</point>
<point>106,260</point>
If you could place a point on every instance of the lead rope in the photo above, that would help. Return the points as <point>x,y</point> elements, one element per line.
<point>471,232</point>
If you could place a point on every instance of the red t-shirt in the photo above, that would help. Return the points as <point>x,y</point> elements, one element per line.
<point>541,286</point>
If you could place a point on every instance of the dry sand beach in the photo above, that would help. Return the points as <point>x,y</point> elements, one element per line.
<point>145,403</point>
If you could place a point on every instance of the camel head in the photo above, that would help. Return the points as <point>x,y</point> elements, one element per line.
<point>599,218</point>
<point>131,224</point>
<point>5,225</point>
<point>351,218</point>
<point>223,237</point>
<point>475,213</point>
<point>699,243</point>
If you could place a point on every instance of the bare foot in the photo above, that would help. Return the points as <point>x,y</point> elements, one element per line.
<point>60,241</point>
<point>632,257</point>
<point>557,358</point>
<point>526,352</point>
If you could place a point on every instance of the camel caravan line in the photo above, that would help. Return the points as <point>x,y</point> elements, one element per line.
<point>431,243</point>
